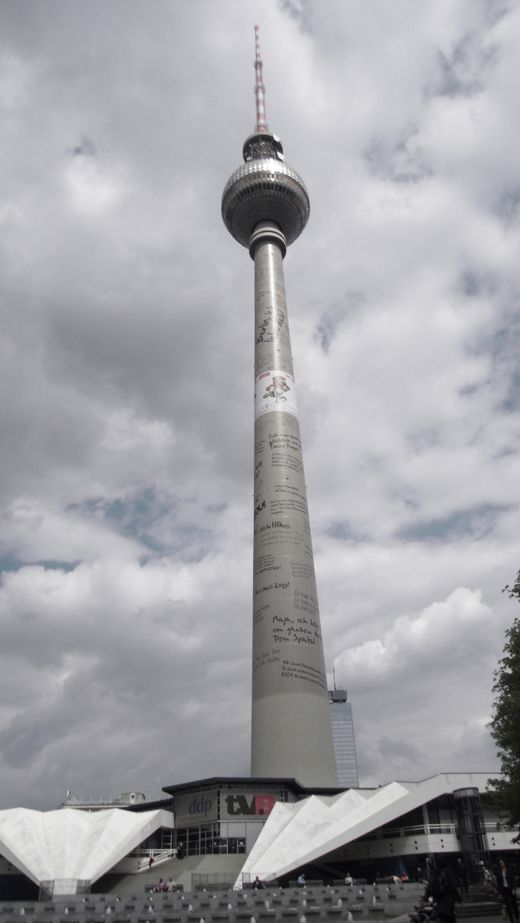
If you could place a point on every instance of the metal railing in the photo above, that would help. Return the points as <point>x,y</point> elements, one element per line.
<point>498,827</point>
<point>157,856</point>
<point>445,829</point>
<point>199,879</point>
<point>63,887</point>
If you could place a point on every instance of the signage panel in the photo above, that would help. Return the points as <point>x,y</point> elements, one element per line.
<point>196,808</point>
<point>246,805</point>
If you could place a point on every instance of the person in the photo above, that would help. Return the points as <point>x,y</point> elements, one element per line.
<point>301,881</point>
<point>151,861</point>
<point>462,876</point>
<point>257,883</point>
<point>424,912</point>
<point>349,880</point>
<point>505,884</point>
<point>171,884</point>
<point>487,878</point>
<point>443,889</point>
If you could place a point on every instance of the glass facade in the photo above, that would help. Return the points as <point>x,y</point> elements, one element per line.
<point>221,819</point>
<point>343,738</point>
<point>216,838</point>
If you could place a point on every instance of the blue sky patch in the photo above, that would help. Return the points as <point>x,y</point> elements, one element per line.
<point>475,523</point>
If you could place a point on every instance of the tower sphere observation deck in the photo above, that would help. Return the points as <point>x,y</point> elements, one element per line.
<point>265,188</point>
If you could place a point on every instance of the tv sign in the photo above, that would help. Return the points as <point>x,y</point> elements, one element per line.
<point>245,805</point>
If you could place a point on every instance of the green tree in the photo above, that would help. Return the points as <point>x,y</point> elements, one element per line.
<point>505,721</point>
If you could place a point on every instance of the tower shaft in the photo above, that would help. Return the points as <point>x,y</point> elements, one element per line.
<point>291,728</point>
<point>265,206</point>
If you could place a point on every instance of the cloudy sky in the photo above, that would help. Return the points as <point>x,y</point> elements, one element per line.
<point>127,377</point>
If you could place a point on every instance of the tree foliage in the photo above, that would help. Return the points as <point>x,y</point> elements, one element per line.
<point>505,721</point>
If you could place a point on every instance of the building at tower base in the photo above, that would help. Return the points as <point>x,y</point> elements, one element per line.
<point>226,831</point>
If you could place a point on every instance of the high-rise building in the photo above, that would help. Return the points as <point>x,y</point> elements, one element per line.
<point>343,738</point>
<point>265,206</point>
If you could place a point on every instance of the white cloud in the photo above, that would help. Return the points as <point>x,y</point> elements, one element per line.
<point>92,189</point>
<point>433,639</point>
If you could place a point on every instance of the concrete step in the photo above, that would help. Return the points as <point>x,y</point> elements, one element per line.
<point>479,909</point>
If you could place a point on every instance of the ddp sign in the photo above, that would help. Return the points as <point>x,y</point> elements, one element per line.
<point>197,808</point>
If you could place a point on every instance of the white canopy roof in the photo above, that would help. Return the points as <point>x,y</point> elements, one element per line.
<point>305,831</point>
<point>72,844</point>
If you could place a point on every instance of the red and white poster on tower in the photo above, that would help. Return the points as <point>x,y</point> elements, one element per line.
<point>275,390</point>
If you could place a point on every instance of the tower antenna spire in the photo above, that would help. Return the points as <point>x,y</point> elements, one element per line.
<point>261,124</point>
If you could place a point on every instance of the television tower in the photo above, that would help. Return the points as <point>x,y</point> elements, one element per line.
<point>265,207</point>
